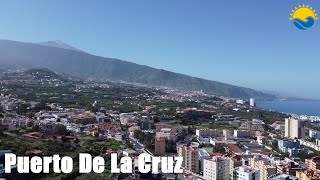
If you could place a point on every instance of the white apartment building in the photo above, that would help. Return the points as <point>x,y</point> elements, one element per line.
<point>246,173</point>
<point>314,134</point>
<point>240,101</point>
<point>203,154</point>
<point>206,133</point>
<point>251,102</point>
<point>125,118</point>
<point>243,133</point>
<point>217,168</point>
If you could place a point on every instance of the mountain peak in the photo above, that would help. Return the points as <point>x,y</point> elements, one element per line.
<point>58,44</point>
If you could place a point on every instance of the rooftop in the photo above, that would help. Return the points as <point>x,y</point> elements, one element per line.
<point>314,159</point>
<point>246,169</point>
<point>160,139</point>
<point>234,148</point>
<point>282,176</point>
<point>218,159</point>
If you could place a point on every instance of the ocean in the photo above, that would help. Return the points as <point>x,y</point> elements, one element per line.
<point>311,108</point>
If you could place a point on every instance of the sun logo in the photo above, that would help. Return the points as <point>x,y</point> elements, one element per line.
<point>303,16</point>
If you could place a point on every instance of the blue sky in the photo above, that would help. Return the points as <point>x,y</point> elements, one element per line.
<point>245,43</point>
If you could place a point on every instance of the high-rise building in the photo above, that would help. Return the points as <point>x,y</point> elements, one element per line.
<point>308,175</point>
<point>160,146</point>
<point>246,173</point>
<point>203,154</point>
<point>216,168</point>
<point>294,128</point>
<point>190,156</point>
<point>264,165</point>
<point>289,168</point>
<point>313,163</point>
<point>235,162</point>
<point>252,102</point>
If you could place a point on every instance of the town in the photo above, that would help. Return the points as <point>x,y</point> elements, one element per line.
<point>43,113</point>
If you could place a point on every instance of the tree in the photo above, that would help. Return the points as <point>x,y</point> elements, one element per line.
<point>36,128</point>
<point>137,134</point>
<point>146,139</point>
<point>22,109</point>
<point>42,106</point>
<point>284,155</point>
<point>30,124</point>
<point>76,141</point>
<point>64,139</point>
<point>60,129</point>
<point>275,146</point>
<point>182,135</point>
<point>191,130</point>
<point>219,148</point>
<point>94,108</point>
<point>30,115</point>
<point>171,146</point>
<point>129,145</point>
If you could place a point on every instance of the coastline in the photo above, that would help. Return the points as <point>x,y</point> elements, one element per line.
<point>306,109</point>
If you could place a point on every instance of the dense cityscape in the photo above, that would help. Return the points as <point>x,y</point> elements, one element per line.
<point>43,113</point>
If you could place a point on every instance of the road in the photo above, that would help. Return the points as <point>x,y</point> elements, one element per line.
<point>136,145</point>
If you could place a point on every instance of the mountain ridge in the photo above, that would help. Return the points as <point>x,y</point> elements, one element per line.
<point>82,64</point>
<point>59,44</point>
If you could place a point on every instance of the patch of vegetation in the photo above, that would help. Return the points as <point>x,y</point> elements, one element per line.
<point>145,138</point>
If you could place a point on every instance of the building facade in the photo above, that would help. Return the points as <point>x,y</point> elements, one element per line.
<point>252,102</point>
<point>289,168</point>
<point>313,163</point>
<point>264,165</point>
<point>293,147</point>
<point>235,162</point>
<point>244,133</point>
<point>308,175</point>
<point>294,128</point>
<point>246,173</point>
<point>314,134</point>
<point>206,133</point>
<point>216,168</point>
<point>190,156</point>
<point>160,146</point>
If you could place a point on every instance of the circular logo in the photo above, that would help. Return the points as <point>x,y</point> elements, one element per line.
<point>303,17</point>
